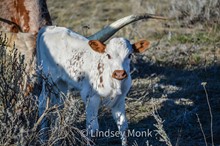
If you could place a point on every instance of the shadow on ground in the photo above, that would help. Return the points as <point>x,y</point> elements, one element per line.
<point>178,96</point>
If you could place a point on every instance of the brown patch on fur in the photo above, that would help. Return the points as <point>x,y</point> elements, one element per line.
<point>101,85</point>
<point>100,71</point>
<point>75,67</point>
<point>24,14</point>
<point>100,68</point>
<point>101,80</point>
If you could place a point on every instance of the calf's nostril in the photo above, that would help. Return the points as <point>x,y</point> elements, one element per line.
<point>119,74</point>
<point>124,73</point>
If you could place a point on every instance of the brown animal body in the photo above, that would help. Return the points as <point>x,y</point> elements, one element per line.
<point>23,15</point>
<point>20,21</point>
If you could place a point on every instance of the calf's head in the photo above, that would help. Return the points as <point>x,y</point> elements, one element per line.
<point>117,54</point>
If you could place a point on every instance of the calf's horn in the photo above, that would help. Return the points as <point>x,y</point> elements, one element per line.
<point>111,29</point>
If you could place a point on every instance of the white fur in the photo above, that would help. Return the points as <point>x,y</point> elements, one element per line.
<point>69,59</point>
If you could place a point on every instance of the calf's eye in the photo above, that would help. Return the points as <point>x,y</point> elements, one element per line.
<point>109,56</point>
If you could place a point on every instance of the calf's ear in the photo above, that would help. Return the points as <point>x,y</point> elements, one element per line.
<point>140,46</point>
<point>97,46</point>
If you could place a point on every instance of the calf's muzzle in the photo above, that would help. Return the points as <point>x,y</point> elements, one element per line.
<point>119,74</point>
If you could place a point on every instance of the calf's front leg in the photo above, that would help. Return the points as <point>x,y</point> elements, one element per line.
<point>92,107</point>
<point>118,112</point>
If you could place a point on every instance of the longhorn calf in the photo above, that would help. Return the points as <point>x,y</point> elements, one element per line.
<point>101,72</point>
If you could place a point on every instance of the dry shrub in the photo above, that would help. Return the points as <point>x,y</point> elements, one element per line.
<point>19,120</point>
<point>196,11</point>
<point>17,111</point>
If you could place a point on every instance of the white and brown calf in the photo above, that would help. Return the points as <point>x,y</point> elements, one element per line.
<point>101,72</point>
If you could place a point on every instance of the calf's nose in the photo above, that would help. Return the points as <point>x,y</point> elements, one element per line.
<point>119,74</point>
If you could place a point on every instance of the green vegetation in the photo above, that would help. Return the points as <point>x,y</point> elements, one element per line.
<point>197,39</point>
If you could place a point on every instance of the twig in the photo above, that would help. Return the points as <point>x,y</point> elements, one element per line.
<point>160,130</point>
<point>210,112</point>
<point>47,110</point>
<point>203,133</point>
